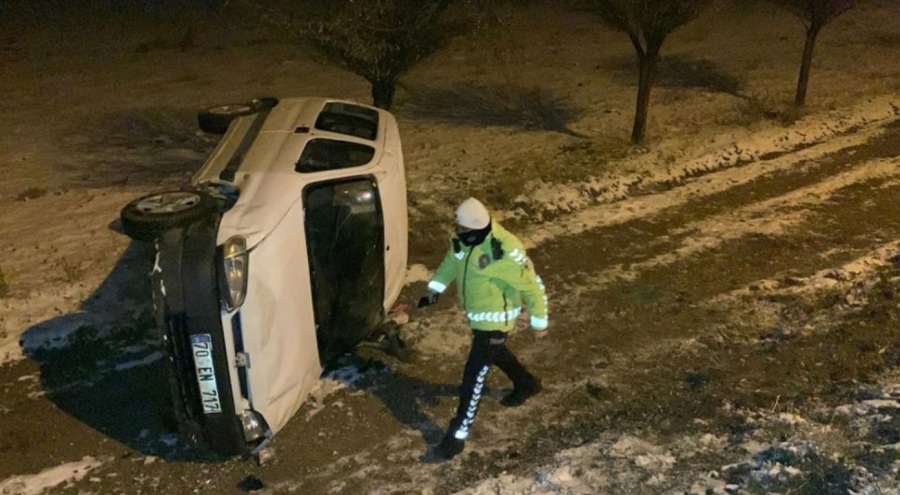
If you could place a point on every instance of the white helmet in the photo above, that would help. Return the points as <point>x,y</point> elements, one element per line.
<point>471,214</point>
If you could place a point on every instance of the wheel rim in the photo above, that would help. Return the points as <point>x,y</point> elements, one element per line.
<point>230,109</point>
<point>164,203</point>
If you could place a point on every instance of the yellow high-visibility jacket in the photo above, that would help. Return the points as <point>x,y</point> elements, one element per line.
<point>493,279</point>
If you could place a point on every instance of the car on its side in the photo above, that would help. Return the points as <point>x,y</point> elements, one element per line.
<point>286,250</point>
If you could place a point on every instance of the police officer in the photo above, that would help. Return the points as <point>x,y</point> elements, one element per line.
<point>494,277</point>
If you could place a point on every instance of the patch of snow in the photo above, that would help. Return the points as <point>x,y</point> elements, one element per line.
<point>417,273</point>
<point>144,361</point>
<point>333,381</point>
<point>35,484</point>
<point>880,403</point>
<point>170,439</point>
<point>791,419</point>
<point>135,348</point>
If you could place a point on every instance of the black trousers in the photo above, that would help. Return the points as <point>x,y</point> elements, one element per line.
<point>488,348</point>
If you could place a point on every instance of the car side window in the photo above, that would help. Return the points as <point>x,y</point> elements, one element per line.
<point>352,120</point>
<point>330,154</point>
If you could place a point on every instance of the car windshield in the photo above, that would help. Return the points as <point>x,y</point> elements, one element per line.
<point>345,238</point>
<point>330,154</point>
<point>352,120</point>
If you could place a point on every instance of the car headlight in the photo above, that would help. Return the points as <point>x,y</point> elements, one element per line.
<point>252,426</point>
<point>234,263</point>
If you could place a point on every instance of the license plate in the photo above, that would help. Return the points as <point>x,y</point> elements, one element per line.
<point>206,375</point>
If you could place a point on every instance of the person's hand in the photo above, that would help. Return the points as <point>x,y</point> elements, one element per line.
<point>539,334</point>
<point>428,299</point>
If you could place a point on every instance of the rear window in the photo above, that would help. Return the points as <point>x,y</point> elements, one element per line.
<point>352,120</point>
<point>331,154</point>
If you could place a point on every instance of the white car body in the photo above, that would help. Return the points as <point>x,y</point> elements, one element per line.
<point>271,338</point>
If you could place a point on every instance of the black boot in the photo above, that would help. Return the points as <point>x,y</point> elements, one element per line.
<point>521,393</point>
<point>449,447</point>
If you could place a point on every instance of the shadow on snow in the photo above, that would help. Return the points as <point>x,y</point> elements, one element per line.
<point>105,364</point>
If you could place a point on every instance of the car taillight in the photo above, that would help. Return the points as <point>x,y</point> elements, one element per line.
<point>235,259</point>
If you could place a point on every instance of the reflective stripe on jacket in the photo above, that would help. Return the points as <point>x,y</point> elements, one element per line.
<point>493,284</point>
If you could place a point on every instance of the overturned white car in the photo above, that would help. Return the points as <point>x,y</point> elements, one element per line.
<point>287,249</point>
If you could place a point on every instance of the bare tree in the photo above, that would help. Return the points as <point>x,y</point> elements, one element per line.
<point>376,39</point>
<point>815,14</point>
<point>647,24</point>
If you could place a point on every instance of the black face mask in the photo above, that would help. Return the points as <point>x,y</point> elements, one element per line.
<point>474,237</point>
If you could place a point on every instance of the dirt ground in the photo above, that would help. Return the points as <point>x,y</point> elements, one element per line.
<point>721,299</point>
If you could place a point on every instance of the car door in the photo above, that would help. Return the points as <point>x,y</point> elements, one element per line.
<point>345,244</point>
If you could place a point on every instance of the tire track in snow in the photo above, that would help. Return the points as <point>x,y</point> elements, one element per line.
<point>647,206</point>
<point>686,283</point>
<point>644,172</point>
<point>771,217</point>
<point>616,242</point>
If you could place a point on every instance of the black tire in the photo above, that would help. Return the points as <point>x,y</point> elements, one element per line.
<point>215,120</point>
<point>147,217</point>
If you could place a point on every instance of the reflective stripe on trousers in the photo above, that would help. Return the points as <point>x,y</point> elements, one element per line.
<point>488,348</point>
<point>462,432</point>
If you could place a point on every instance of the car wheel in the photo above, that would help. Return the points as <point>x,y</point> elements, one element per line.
<point>215,120</point>
<point>146,218</point>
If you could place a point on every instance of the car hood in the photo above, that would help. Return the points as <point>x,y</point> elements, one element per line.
<point>263,202</point>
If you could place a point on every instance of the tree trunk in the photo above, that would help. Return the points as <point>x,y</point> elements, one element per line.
<point>805,65</point>
<point>647,75</point>
<point>383,92</point>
